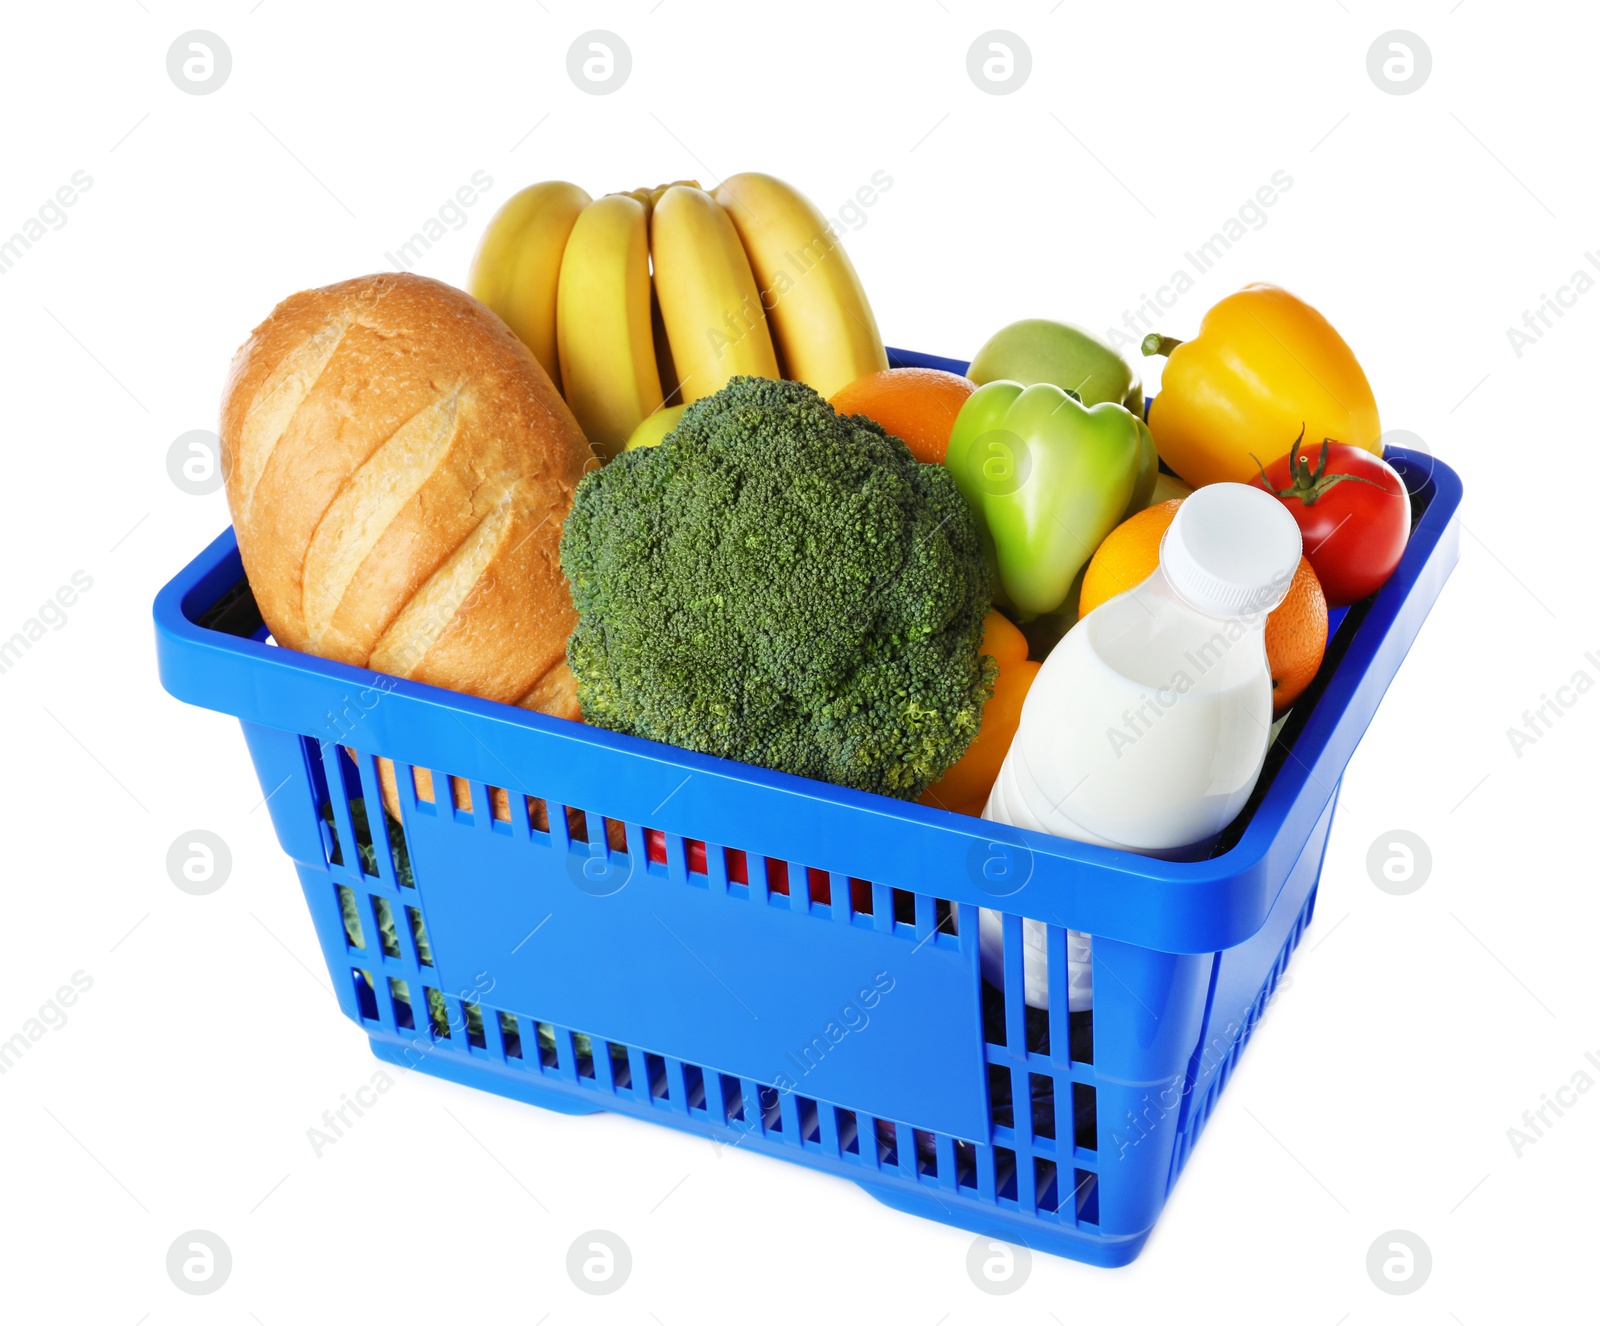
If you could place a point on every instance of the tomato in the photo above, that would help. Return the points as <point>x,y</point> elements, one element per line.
<point>1354,516</point>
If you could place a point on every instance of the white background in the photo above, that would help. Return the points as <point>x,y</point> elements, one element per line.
<point>1416,1029</point>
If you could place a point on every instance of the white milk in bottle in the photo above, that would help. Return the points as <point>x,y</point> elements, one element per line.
<point>1147,726</point>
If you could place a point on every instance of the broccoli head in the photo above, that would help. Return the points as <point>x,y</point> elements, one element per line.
<point>780,584</point>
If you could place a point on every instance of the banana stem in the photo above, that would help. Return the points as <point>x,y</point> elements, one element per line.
<point>1157,344</point>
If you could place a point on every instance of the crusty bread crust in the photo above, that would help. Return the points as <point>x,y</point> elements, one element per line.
<point>398,468</point>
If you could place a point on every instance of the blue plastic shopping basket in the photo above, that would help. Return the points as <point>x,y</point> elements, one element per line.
<point>782,964</point>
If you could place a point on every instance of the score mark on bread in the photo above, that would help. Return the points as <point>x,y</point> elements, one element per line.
<point>269,417</point>
<point>368,504</point>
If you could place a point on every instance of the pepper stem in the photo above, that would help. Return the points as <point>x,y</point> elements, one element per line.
<point>1157,344</point>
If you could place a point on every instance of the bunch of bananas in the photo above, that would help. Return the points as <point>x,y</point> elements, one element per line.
<point>658,296</point>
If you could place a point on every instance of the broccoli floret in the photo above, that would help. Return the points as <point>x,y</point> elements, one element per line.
<point>779,584</point>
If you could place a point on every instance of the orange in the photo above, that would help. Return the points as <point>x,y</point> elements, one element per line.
<point>1002,641</point>
<point>964,786</point>
<point>1297,635</point>
<point>1126,555</point>
<point>916,405</point>
<point>1297,629</point>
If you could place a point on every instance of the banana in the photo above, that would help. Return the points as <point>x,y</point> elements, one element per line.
<point>710,304</point>
<point>664,364</point>
<point>669,371</point>
<point>823,325</point>
<point>518,262</point>
<point>603,332</point>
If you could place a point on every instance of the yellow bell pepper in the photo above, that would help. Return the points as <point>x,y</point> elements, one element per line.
<point>1264,366</point>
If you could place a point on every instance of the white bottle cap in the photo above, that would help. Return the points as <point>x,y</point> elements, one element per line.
<point>1232,550</point>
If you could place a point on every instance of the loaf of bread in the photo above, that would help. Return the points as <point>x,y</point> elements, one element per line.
<point>398,468</point>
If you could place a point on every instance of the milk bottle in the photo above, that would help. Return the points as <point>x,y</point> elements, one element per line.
<point>1147,726</point>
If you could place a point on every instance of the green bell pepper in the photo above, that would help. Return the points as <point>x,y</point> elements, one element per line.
<point>1048,478</point>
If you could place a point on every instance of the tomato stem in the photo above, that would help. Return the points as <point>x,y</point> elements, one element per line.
<point>1304,482</point>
